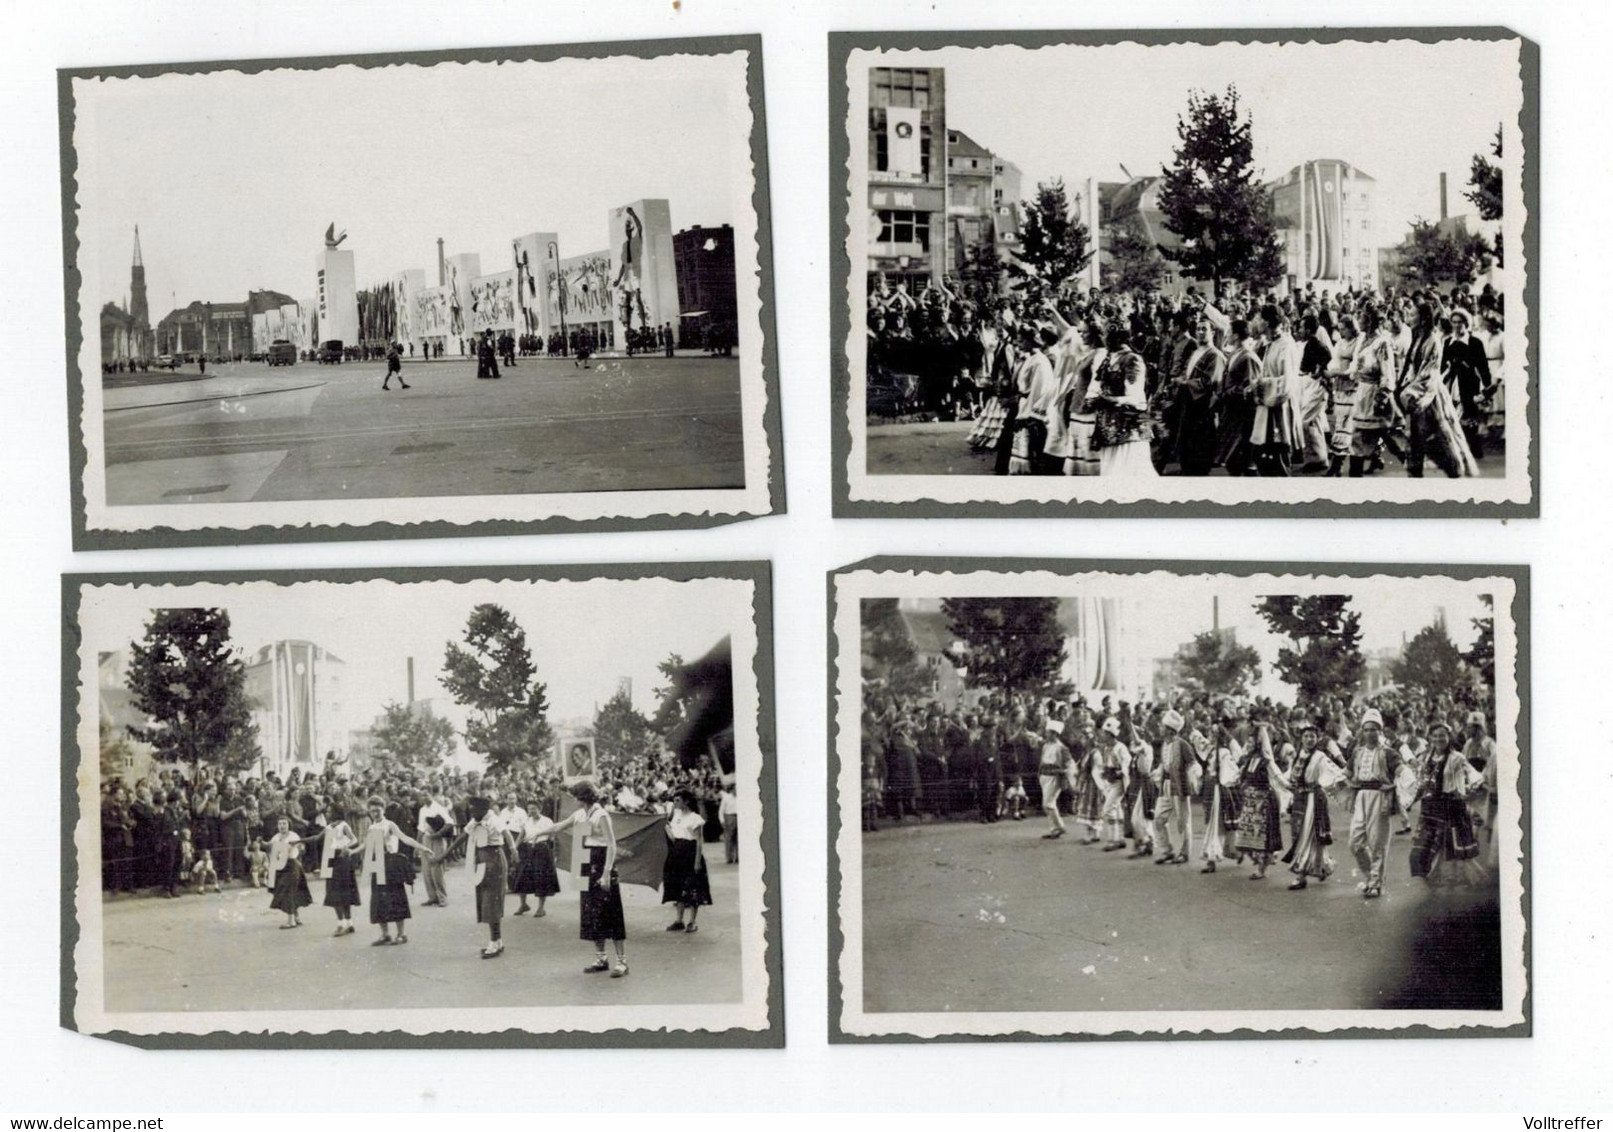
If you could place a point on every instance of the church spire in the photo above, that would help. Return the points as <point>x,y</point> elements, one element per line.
<point>137,260</point>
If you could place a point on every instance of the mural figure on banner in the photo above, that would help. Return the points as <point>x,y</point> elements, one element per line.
<point>456,313</point>
<point>492,302</point>
<point>629,282</point>
<point>526,288</point>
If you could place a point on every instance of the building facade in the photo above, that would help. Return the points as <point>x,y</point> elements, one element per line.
<point>907,175</point>
<point>1325,215</point>
<point>707,296</point>
<point>296,692</point>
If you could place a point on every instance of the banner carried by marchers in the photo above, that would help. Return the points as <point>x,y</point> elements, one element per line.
<point>640,845</point>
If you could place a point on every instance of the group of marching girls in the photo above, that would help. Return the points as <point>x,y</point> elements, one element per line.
<point>503,851</point>
<point>1243,789</point>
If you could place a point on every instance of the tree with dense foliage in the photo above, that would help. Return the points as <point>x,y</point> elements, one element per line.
<point>1484,190</point>
<point>190,683</point>
<point>1430,663</point>
<point>1480,656</point>
<point>493,675</point>
<point>622,733</point>
<point>1430,257</point>
<point>1014,644</point>
<point>982,281</point>
<point>1134,263</point>
<point>1212,198</point>
<point>1052,244</point>
<point>1215,663</point>
<point>1326,658</point>
<point>411,739</point>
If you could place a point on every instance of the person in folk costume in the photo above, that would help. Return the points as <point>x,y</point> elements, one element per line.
<point>1479,750</point>
<point>1370,772</point>
<point>288,885</point>
<point>1445,848</point>
<point>1375,368</point>
<point>600,904</point>
<point>1274,432</point>
<point>535,873</point>
<point>1198,393</point>
<point>1173,774</point>
<point>1165,396</point>
<point>1112,771</point>
<point>1083,418</point>
<point>1467,377</point>
<point>1316,354</point>
<point>1412,751</point>
<point>336,858</point>
<point>1005,380</point>
<point>1220,792</point>
<point>1310,826</point>
<point>486,846</point>
<point>1142,791</point>
<point>1119,401</point>
<point>386,870</point>
<point>1262,798</point>
<point>995,381</point>
<point>1431,416</point>
<point>1088,801</point>
<point>436,826</point>
<point>1035,381</point>
<point>1067,356</point>
<point>1341,390</point>
<point>901,771</point>
<point>685,881</point>
<point>1053,772</point>
<point>1237,401</point>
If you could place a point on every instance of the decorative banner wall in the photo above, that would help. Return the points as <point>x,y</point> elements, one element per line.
<point>531,254</point>
<point>492,302</point>
<point>405,286</point>
<point>461,268</point>
<point>433,312</point>
<point>580,290</point>
<point>644,280</point>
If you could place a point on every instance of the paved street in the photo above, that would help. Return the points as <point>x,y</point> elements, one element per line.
<point>226,952</point>
<point>940,448</point>
<point>248,432</point>
<point>967,917</point>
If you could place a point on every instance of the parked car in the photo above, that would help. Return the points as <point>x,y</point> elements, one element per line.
<point>165,361</point>
<point>282,353</point>
<point>330,353</point>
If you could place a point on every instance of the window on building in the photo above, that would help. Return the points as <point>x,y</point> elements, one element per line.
<point>901,86</point>
<point>898,226</point>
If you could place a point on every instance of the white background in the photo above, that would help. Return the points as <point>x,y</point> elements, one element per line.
<point>47,1070</point>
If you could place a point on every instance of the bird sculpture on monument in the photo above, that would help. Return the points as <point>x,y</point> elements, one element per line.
<point>332,240</point>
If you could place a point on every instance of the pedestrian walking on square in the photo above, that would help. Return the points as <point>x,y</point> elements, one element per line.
<point>728,810</point>
<point>394,365</point>
<point>1371,770</point>
<point>1053,774</point>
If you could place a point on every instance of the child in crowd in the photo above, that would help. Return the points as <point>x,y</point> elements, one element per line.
<point>258,862</point>
<point>203,873</point>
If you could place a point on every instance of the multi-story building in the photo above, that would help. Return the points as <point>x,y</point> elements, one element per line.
<point>296,693</point>
<point>704,260</point>
<point>216,330</point>
<point>1325,215</point>
<point>907,176</point>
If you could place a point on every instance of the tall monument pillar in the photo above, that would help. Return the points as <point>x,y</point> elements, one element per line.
<point>337,291</point>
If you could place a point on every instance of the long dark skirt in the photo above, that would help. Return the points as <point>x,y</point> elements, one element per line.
<point>490,893</point>
<point>1444,831</point>
<point>683,877</point>
<point>290,889</point>
<point>1311,832</point>
<point>534,873</point>
<point>1259,822</point>
<point>389,903</point>
<point>601,902</point>
<point>341,887</point>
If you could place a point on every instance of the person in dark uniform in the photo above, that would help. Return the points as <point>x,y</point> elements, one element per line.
<point>394,365</point>
<point>486,356</point>
<point>1467,374</point>
<point>669,339</point>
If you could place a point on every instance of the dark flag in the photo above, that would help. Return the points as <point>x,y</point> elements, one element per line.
<point>640,845</point>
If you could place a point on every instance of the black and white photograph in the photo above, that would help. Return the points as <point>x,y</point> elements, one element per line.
<point>503,291</point>
<point>536,806</point>
<point>1097,272</point>
<point>1076,799</point>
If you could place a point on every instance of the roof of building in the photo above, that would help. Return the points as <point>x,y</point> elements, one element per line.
<point>961,144</point>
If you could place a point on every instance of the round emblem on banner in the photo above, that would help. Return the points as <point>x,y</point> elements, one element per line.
<point>904,129</point>
<point>1328,185</point>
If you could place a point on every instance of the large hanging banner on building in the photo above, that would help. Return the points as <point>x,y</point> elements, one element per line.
<point>902,124</point>
<point>578,290</point>
<point>492,302</point>
<point>260,333</point>
<point>405,285</point>
<point>530,254</point>
<point>433,312</point>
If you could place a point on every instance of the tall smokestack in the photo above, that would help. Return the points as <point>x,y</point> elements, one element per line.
<point>442,264</point>
<point>1215,613</point>
<point>1444,212</point>
<point>411,681</point>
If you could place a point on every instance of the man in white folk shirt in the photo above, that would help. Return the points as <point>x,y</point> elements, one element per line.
<point>1277,392</point>
<point>1371,770</point>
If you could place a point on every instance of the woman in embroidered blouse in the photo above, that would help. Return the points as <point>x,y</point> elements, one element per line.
<point>600,904</point>
<point>684,880</point>
<point>1309,822</point>
<point>1432,416</point>
<point>1259,812</point>
<point>1119,397</point>
<point>387,870</point>
<point>1445,848</point>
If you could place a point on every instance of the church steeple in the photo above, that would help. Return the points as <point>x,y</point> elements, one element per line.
<point>137,287</point>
